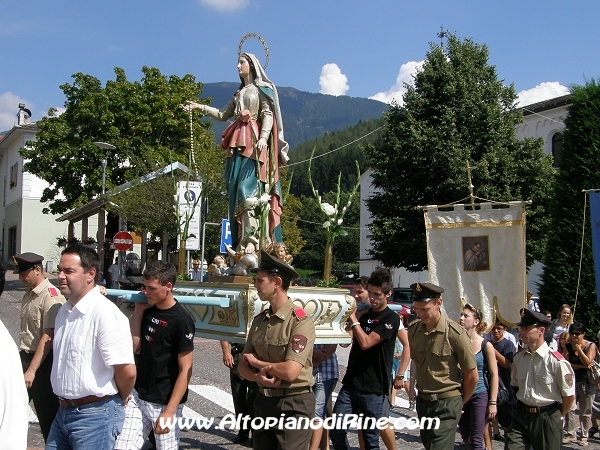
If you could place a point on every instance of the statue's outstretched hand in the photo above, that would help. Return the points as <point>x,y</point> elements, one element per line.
<point>190,106</point>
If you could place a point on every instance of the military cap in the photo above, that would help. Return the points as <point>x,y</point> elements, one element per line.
<point>424,292</point>
<point>26,261</point>
<point>533,318</point>
<point>271,264</point>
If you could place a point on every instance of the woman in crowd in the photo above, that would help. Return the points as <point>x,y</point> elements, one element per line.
<point>481,407</point>
<point>595,404</point>
<point>504,351</point>
<point>581,353</point>
<point>563,320</point>
<point>563,340</point>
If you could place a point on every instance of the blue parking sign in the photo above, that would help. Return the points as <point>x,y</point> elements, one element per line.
<point>225,235</point>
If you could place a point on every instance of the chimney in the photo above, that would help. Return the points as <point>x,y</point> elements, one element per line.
<point>23,115</point>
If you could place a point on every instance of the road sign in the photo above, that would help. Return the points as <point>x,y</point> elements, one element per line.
<point>225,235</point>
<point>123,241</point>
<point>189,192</point>
<point>192,216</point>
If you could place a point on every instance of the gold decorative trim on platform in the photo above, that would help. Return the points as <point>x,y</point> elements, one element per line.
<point>508,223</point>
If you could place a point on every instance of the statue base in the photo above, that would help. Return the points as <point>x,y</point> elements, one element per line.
<point>329,308</point>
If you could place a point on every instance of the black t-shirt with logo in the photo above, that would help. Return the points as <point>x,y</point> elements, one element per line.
<point>165,334</point>
<point>371,370</point>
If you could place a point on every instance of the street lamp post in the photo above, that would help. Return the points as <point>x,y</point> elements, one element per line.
<point>105,146</point>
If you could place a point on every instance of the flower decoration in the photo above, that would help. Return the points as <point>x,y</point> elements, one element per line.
<point>335,214</point>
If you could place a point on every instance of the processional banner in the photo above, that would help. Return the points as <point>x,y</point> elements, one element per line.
<point>595,217</point>
<point>478,257</point>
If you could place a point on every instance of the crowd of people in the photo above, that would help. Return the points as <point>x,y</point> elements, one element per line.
<point>77,358</point>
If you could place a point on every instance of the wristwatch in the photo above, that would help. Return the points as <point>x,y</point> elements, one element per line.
<point>400,377</point>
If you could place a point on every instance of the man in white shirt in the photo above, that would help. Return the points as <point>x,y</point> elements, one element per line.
<point>113,274</point>
<point>93,370</point>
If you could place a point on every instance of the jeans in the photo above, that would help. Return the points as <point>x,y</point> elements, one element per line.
<point>353,401</point>
<point>323,391</point>
<point>94,426</point>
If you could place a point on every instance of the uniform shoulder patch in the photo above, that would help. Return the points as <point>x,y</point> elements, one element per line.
<point>300,313</point>
<point>558,355</point>
<point>53,291</point>
<point>299,342</point>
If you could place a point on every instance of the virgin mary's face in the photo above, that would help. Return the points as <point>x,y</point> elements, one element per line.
<point>243,67</point>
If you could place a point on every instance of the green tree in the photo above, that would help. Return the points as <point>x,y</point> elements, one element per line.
<point>456,111</point>
<point>578,172</point>
<point>141,118</point>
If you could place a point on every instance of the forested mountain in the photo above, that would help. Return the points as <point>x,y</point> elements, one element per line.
<point>340,150</point>
<point>335,153</point>
<point>305,115</point>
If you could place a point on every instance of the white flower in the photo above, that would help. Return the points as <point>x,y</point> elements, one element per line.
<point>264,199</point>
<point>340,221</point>
<point>251,202</point>
<point>326,224</point>
<point>328,209</point>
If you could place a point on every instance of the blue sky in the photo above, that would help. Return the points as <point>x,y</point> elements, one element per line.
<point>355,48</point>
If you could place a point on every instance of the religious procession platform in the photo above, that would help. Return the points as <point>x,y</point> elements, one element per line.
<point>224,311</point>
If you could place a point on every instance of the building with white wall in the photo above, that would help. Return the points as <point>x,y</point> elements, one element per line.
<point>540,120</point>
<point>24,227</point>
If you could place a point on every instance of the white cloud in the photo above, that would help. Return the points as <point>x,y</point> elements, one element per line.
<point>543,91</point>
<point>9,107</point>
<point>405,75</point>
<point>332,80</point>
<point>225,5</point>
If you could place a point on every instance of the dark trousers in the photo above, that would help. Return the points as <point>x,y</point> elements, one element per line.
<point>473,421</point>
<point>243,392</point>
<point>353,401</point>
<point>447,410</point>
<point>542,431</point>
<point>280,438</point>
<point>44,400</point>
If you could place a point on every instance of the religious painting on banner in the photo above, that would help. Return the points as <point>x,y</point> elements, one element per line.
<point>478,257</point>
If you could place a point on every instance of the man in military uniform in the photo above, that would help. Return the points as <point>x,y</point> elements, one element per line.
<point>446,368</point>
<point>39,306</point>
<point>278,356</point>
<point>546,392</point>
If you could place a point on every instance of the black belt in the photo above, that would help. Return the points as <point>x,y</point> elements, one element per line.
<point>284,392</point>
<point>537,409</point>
<point>236,349</point>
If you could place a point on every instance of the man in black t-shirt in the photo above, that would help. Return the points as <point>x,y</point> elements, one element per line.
<point>163,332</point>
<point>369,374</point>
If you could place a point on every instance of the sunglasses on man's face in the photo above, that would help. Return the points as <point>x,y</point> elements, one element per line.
<point>576,333</point>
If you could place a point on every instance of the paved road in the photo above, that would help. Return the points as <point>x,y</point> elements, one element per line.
<point>210,392</point>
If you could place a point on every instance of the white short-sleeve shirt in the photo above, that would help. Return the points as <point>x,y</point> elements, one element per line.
<point>89,339</point>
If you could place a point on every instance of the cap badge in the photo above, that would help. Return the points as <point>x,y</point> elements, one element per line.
<point>418,288</point>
